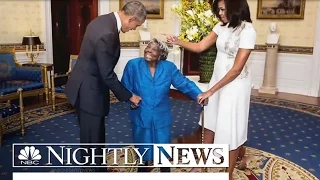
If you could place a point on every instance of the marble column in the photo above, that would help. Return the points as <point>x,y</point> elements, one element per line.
<point>270,70</point>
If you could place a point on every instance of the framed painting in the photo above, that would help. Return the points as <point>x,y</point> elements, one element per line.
<point>281,9</point>
<point>154,7</point>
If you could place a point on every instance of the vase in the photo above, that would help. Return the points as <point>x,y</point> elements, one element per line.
<point>206,64</point>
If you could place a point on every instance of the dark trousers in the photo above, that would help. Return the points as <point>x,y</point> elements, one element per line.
<point>92,130</point>
<point>145,169</point>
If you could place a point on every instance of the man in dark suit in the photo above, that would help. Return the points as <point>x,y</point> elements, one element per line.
<point>93,76</point>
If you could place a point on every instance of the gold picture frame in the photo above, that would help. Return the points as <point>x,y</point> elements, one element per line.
<point>283,9</point>
<point>155,8</point>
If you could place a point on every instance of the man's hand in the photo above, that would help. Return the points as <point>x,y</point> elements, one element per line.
<point>135,100</point>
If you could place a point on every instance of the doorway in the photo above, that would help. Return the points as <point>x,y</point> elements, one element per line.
<point>69,21</point>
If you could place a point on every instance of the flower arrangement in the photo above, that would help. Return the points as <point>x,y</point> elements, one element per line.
<point>197,19</point>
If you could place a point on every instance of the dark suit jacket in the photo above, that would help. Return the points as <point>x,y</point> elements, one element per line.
<point>93,75</point>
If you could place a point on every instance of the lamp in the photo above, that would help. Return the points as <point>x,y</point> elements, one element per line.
<point>29,42</point>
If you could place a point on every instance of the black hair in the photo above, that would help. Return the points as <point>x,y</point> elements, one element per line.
<point>236,11</point>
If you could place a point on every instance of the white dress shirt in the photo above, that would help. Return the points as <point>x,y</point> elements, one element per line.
<point>118,21</point>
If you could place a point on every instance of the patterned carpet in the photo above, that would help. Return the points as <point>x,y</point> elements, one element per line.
<point>284,141</point>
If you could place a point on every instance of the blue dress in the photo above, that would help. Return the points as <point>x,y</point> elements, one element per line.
<point>152,120</point>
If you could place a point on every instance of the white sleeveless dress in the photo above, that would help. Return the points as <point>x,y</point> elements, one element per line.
<point>227,111</point>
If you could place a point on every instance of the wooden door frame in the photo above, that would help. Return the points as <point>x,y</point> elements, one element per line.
<point>185,53</point>
<point>103,8</point>
<point>48,45</point>
<point>94,14</point>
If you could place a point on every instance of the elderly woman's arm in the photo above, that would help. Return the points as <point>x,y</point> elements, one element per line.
<point>183,84</point>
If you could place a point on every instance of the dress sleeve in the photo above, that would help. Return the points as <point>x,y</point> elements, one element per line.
<point>183,84</point>
<point>248,38</point>
<point>217,28</point>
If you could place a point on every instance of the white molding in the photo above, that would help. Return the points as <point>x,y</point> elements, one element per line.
<point>314,82</point>
<point>22,58</point>
<point>127,54</point>
<point>297,73</point>
<point>177,22</point>
<point>176,31</point>
<point>104,7</point>
<point>292,74</point>
<point>48,30</point>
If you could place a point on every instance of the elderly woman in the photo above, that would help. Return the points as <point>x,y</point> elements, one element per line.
<point>150,77</point>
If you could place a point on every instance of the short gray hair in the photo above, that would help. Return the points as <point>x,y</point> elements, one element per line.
<point>136,9</point>
<point>162,48</point>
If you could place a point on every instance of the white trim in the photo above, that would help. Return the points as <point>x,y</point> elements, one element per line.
<point>178,58</point>
<point>293,74</point>
<point>103,7</point>
<point>48,30</point>
<point>315,64</point>
<point>22,58</point>
<point>312,67</point>
<point>177,22</point>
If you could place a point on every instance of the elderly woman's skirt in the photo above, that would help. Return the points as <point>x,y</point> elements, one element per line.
<point>150,136</point>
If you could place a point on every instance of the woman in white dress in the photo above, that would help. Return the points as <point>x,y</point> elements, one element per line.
<point>227,112</point>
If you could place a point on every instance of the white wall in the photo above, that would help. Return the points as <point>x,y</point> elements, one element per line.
<point>127,54</point>
<point>293,72</point>
<point>297,73</point>
<point>315,83</point>
<point>293,75</point>
<point>22,57</point>
<point>47,56</point>
<point>104,7</point>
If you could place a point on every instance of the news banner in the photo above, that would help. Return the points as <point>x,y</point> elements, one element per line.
<point>64,158</point>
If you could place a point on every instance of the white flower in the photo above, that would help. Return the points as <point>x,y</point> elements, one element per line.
<point>208,13</point>
<point>207,22</point>
<point>191,32</point>
<point>201,16</point>
<point>175,7</point>
<point>190,12</point>
<point>199,1</point>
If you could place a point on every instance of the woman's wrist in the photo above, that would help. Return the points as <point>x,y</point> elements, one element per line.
<point>212,90</point>
<point>179,42</point>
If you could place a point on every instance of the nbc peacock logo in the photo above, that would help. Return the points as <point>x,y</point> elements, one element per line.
<point>29,156</point>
